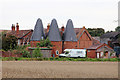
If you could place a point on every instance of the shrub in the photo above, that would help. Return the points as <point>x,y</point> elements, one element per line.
<point>113,59</point>
<point>51,58</point>
<point>26,54</point>
<point>46,58</point>
<point>9,42</point>
<point>36,53</point>
<point>40,59</point>
<point>45,43</point>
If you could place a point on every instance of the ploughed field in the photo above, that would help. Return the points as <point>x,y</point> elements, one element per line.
<point>59,69</point>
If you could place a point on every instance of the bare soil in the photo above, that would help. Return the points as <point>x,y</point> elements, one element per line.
<point>59,69</point>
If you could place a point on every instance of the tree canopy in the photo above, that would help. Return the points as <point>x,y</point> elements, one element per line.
<point>9,42</point>
<point>117,29</point>
<point>96,31</point>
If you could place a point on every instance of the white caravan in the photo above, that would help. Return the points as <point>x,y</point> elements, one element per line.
<point>74,53</point>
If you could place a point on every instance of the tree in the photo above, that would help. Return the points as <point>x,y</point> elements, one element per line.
<point>26,54</point>
<point>96,31</point>
<point>117,29</point>
<point>9,42</point>
<point>45,43</point>
<point>36,53</point>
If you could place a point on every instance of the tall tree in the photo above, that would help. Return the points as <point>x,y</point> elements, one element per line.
<point>117,29</point>
<point>96,31</point>
<point>9,42</point>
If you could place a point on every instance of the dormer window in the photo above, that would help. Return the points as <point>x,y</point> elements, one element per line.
<point>42,37</point>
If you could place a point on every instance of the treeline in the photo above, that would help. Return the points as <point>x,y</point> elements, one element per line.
<point>96,31</point>
<point>100,31</point>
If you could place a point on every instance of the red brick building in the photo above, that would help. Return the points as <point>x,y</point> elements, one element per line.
<point>23,36</point>
<point>64,38</point>
<point>101,50</point>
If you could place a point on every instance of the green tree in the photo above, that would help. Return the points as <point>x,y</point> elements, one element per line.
<point>26,54</point>
<point>9,42</point>
<point>96,31</point>
<point>45,43</point>
<point>36,53</point>
<point>117,29</point>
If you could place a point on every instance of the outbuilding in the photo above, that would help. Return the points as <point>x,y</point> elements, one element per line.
<point>100,51</point>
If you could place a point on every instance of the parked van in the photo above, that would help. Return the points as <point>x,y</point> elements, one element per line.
<point>74,53</point>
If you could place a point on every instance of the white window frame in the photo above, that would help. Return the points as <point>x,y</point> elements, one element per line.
<point>18,41</point>
<point>57,53</point>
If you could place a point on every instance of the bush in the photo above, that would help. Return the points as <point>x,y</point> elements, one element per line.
<point>51,58</point>
<point>46,58</point>
<point>26,54</point>
<point>36,53</point>
<point>113,59</point>
<point>40,59</point>
<point>9,42</point>
<point>45,43</point>
<point>81,59</point>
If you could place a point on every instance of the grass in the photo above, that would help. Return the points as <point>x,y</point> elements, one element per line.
<point>57,59</point>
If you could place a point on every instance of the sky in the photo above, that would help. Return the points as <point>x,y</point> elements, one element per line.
<point>88,13</point>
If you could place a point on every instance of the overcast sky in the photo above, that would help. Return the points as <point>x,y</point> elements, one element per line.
<point>88,13</point>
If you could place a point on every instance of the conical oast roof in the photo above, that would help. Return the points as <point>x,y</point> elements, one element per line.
<point>54,34</point>
<point>69,34</point>
<point>38,32</point>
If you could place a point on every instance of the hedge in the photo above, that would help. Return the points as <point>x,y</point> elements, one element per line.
<point>57,59</point>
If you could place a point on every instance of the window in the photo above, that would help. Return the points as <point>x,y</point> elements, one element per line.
<point>57,52</point>
<point>79,51</point>
<point>102,54</point>
<point>18,41</point>
<point>88,50</point>
<point>42,37</point>
<point>66,52</point>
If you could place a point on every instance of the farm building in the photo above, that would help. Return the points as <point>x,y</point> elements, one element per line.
<point>66,38</point>
<point>23,36</point>
<point>113,40</point>
<point>100,51</point>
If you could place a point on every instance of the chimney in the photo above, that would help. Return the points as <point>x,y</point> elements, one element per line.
<point>17,27</point>
<point>62,28</point>
<point>83,26</point>
<point>13,27</point>
<point>48,27</point>
<point>62,31</point>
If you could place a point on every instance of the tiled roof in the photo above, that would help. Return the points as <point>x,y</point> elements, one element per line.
<point>81,31</point>
<point>54,33</point>
<point>7,31</point>
<point>99,46</point>
<point>95,46</point>
<point>77,30</point>
<point>38,32</point>
<point>109,34</point>
<point>96,42</point>
<point>19,34</point>
<point>27,38</point>
<point>70,34</point>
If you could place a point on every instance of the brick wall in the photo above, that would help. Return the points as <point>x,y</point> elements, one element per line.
<point>70,45</point>
<point>10,54</point>
<point>57,45</point>
<point>84,41</point>
<point>34,43</point>
<point>46,53</point>
<point>91,53</point>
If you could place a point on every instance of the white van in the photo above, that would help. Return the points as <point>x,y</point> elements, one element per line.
<point>74,53</point>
